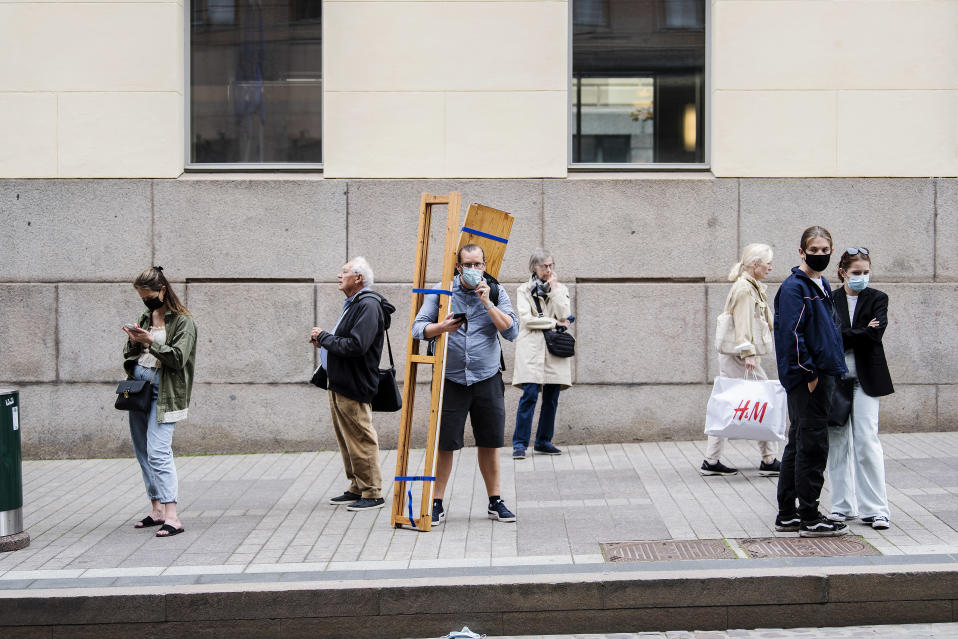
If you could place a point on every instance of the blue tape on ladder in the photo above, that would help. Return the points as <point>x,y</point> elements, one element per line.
<point>412,520</point>
<point>416,478</point>
<point>489,236</point>
<point>432,291</point>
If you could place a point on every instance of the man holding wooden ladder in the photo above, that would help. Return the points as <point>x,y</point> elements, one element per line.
<point>473,383</point>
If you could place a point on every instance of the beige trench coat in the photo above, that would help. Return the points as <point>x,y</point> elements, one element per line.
<point>534,363</point>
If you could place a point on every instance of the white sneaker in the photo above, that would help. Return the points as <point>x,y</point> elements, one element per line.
<point>840,517</point>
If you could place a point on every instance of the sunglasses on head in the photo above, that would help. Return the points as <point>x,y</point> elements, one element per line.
<point>856,251</point>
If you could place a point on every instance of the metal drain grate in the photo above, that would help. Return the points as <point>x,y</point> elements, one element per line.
<point>806,547</point>
<point>679,550</point>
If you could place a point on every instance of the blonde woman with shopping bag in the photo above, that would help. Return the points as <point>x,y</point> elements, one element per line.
<point>743,335</point>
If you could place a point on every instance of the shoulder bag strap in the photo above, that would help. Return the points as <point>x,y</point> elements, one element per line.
<point>535,299</point>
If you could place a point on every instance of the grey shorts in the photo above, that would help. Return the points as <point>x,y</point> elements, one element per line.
<point>484,403</point>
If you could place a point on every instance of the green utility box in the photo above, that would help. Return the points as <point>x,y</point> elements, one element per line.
<point>11,477</point>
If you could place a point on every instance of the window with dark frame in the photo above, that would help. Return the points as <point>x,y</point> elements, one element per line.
<point>638,81</point>
<point>256,91</point>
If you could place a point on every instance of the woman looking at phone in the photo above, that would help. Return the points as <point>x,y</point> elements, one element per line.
<point>543,304</point>
<point>856,461</point>
<point>161,349</point>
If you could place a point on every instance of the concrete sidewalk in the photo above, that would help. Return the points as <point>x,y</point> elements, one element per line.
<point>264,520</point>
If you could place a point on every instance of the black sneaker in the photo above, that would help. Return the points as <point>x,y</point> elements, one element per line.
<point>344,499</point>
<point>878,522</point>
<point>438,514</point>
<point>718,468</point>
<point>822,527</point>
<point>770,470</point>
<point>500,512</point>
<point>519,452</point>
<point>367,504</point>
<point>790,523</point>
<point>547,449</point>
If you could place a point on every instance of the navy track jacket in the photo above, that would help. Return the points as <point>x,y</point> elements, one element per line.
<point>808,343</point>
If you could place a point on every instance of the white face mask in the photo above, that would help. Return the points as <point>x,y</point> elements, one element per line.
<point>471,276</point>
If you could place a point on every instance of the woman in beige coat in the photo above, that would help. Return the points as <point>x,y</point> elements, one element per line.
<point>740,350</point>
<point>536,368</point>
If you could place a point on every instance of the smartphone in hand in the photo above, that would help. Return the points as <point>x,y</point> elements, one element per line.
<point>131,327</point>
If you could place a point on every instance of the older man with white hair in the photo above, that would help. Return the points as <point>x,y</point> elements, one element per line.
<point>350,356</point>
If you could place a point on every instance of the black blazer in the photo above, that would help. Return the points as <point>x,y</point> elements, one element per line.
<point>865,342</point>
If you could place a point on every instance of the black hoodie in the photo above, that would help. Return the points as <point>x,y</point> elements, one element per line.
<point>354,351</point>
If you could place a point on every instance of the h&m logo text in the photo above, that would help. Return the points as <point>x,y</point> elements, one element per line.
<point>8,402</point>
<point>743,413</point>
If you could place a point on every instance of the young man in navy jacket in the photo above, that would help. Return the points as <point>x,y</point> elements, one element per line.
<point>810,356</point>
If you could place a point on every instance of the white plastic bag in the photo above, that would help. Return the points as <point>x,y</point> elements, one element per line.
<point>747,409</point>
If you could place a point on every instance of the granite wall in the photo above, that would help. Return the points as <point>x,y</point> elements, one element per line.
<point>256,258</point>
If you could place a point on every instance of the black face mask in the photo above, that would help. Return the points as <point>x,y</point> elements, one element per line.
<point>818,262</point>
<point>153,303</point>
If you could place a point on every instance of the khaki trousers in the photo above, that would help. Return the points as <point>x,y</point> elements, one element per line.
<point>358,444</point>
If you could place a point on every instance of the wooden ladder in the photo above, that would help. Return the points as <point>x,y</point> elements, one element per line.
<point>413,359</point>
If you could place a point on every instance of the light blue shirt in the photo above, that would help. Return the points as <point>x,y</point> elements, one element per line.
<point>349,300</point>
<point>473,353</point>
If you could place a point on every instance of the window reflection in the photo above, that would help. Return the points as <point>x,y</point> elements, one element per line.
<point>256,81</point>
<point>638,89</point>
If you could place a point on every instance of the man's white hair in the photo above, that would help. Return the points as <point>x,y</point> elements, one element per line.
<point>361,267</point>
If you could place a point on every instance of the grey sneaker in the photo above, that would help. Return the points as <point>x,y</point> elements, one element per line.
<point>840,517</point>
<point>366,504</point>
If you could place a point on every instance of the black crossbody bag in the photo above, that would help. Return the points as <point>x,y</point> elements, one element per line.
<point>558,341</point>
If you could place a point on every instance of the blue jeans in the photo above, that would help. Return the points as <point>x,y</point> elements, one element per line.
<point>153,445</point>
<point>547,414</point>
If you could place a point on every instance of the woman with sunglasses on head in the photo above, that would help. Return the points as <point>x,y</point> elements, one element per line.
<point>809,354</point>
<point>161,349</point>
<point>856,462</point>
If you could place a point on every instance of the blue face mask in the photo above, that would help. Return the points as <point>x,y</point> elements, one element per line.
<point>471,277</point>
<point>858,282</point>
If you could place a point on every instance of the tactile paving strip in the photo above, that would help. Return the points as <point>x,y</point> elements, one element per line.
<point>676,550</point>
<point>844,546</point>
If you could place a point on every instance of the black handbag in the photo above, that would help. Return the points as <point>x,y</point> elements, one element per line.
<point>319,378</point>
<point>134,394</point>
<point>388,398</point>
<point>558,341</point>
<point>840,407</point>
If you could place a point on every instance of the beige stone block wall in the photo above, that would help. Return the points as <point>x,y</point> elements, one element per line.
<point>29,146</point>
<point>823,88</point>
<point>94,89</point>
<point>437,104</point>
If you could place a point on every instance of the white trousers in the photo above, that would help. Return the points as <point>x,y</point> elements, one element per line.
<point>733,366</point>
<point>856,461</point>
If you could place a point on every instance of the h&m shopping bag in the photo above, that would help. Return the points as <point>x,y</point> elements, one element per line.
<point>747,409</point>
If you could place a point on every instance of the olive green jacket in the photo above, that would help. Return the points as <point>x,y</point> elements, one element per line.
<point>177,358</point>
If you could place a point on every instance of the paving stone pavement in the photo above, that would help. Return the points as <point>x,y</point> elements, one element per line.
<point>904,631</point>
<point>253,517</point>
